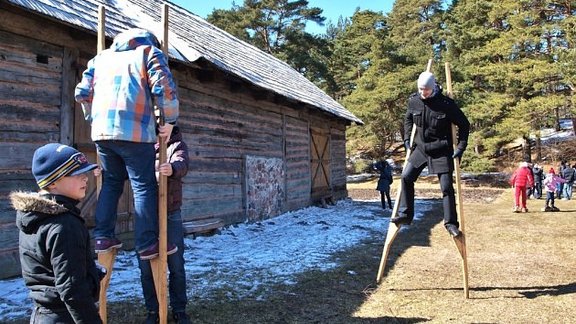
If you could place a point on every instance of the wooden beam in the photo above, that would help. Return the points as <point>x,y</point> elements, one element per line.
<point>159,265</point>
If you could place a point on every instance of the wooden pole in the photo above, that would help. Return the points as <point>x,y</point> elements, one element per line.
<point>106,259</point>
<point>393,229</point>
<point>460,240</point>
<point>159,265</point>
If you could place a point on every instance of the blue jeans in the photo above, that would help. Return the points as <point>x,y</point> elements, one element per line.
<point>121,160</point>
<point>567,190</point>
<point>177,277</point>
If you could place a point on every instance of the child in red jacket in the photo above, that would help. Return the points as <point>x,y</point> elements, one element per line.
<point>520,180</point>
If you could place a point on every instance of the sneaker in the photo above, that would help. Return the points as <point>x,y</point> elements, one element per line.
<point>524,209</point>
<point>152,251</point>
<point>181,318</point>
<point>555,208</point>
<point>547,209</point>
<point>152,318</point>
<point>104,244</point>
<point>516,209</point>
<point>453,230</point>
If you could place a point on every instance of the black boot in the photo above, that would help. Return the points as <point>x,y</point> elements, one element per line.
<point>152,318</point>
<point>181,318</point>
<point>401,220</point>
<point>453,230</point>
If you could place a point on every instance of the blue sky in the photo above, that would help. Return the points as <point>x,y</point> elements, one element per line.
<point>332,9</point>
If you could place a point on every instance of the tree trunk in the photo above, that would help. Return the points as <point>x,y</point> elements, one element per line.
<point>538,147</point>
<point>557,113</point>
<point>526,149</point>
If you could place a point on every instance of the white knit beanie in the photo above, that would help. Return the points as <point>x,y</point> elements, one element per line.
<point>426,80</point>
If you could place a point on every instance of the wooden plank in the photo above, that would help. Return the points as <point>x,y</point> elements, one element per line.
<point>27,24</point>
<point>17,156</point>
<point>159,265</point>
<point>203,191</point>
<point>202,226</point>
<point>67,98</point>
<point>213,207</point>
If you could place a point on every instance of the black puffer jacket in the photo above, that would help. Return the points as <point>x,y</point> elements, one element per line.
<point>433,118</point>
<point>57,262</point>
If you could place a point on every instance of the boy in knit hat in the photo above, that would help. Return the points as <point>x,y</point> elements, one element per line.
<point>54,245</point>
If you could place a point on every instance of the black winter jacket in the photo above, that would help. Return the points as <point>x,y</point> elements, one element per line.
<point>433,118</point>
<point>57,262</point>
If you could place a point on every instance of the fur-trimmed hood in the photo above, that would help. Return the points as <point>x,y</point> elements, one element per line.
<point>33,208</point>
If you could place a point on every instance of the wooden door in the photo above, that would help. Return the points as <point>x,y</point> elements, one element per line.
<point>320,163</point>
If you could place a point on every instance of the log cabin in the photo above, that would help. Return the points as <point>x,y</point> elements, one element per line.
<point>263,139</point>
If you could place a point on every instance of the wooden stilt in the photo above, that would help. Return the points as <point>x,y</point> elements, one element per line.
<point>460,240</point>
<point>106,259</point>
<point>393,228</point>
<point>159,264</point>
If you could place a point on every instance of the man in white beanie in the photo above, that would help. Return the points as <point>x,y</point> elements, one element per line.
<point>433,114</point>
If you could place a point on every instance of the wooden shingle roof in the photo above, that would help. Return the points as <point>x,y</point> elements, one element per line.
<point>191,38</point>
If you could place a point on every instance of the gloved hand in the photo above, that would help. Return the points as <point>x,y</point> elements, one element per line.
<point>407,144</point>
<point>458,153</point>
<point>101,270</point>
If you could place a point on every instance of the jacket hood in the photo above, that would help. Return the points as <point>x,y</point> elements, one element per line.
<point>175,136</point>
<point>132,38</point>
<point>32,208</point>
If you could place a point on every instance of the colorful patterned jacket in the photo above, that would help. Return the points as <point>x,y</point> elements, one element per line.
<point>121,85</point>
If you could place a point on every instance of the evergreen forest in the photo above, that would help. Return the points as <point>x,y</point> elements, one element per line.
<point>513,64</point>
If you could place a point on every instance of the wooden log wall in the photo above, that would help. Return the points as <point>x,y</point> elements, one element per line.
<point>30,94</point>
<point>223,120</point>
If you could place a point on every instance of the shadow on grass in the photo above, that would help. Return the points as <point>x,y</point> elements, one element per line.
<point>416,234</point>
<point>524,292</point>
<point>532,292</point>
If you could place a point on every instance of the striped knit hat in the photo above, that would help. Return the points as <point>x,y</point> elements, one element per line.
<point>54,161</point>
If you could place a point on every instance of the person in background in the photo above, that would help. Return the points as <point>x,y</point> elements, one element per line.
<point>384,182</point>
<point>560,185</point>
<point>54,245</point>
<point>520,180</point>
<point>568,175</point>
<point>538,176</point>
<point>550,184</point>
<point>530,190</point>
<point>433,114</point>
<point>174,169</point>
<point>119,91</point>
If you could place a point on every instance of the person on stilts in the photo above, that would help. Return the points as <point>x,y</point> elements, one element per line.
<point>118,92</point>
<point>432,113</point>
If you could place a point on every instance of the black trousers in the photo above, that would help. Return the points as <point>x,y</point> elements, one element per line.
<point>383,196</point>
<point>406,208</point>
